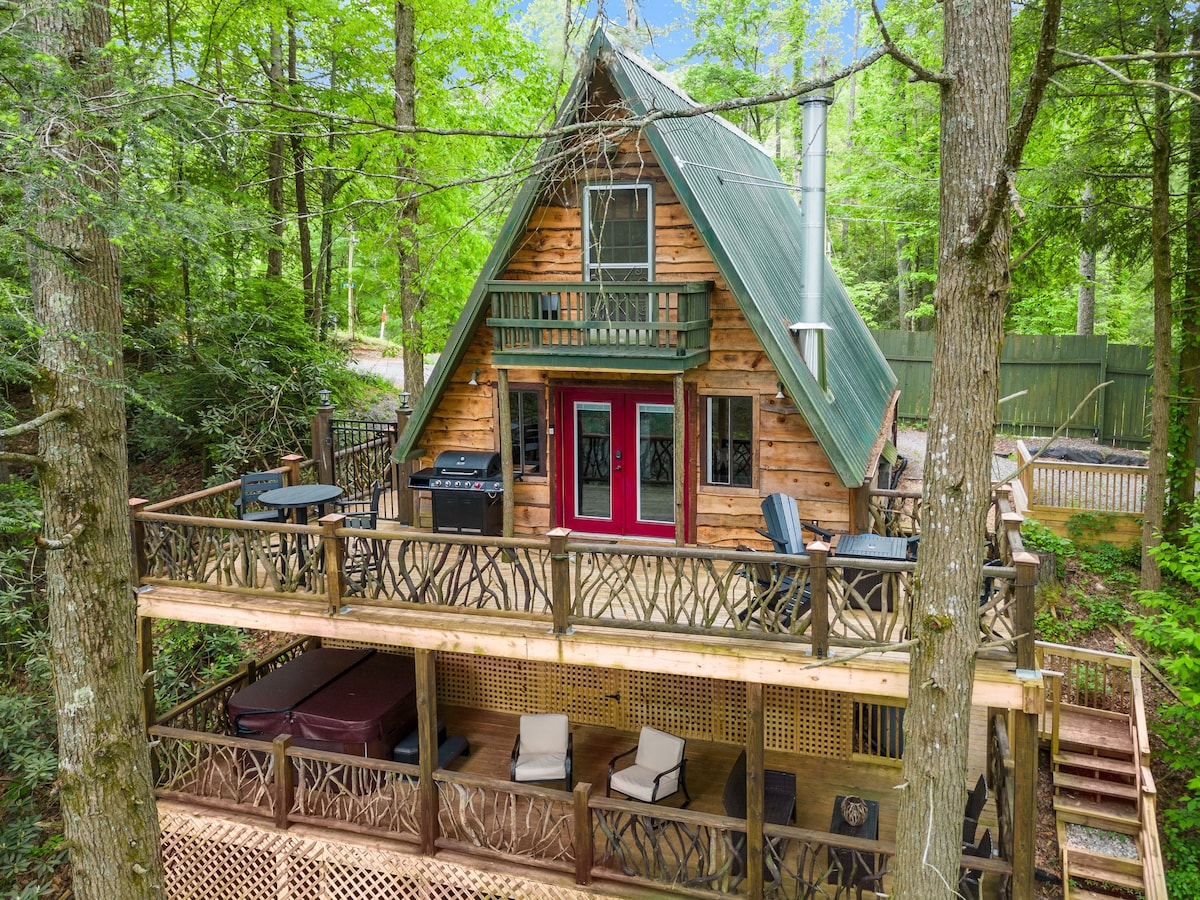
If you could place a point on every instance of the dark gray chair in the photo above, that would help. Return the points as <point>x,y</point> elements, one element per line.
<point>362,513</point>
<point>970,879</point>
<point>784,528</point>
<point>975,802</point>
<point>254,485</point>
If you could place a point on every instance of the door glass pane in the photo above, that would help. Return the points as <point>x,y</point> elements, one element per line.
<point>593,460</point>
<point>656,462</point>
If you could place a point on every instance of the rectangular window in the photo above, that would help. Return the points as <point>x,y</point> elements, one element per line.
<point>730,441</point>
<point>619,225</point>
<point>528,435</point>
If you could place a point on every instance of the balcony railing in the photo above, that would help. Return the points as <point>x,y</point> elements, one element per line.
<point>655,326</point>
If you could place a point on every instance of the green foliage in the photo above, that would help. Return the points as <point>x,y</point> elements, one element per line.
<point>31,845</point>
<point>1036,536</point>
<point>1172,628</point>
<point>190,656</point>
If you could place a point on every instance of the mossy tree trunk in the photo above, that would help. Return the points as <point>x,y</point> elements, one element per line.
<point>969,299</point>
<point>109,815</point>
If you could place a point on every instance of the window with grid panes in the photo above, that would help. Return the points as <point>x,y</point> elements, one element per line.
<point>730,444</point>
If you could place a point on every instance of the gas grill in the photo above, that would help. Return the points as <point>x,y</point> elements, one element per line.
<point>467,491</point>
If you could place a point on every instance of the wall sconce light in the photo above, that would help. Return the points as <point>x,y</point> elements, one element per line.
<point>325,394</point>
<point>404,395</point>
<point>779,394</point>
<point>474,382</point>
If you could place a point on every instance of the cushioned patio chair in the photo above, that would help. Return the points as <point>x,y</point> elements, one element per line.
<point>658,770</point>
<point>543,749</point>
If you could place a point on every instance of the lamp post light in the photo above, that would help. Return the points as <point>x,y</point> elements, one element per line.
<point>325,394</point>
<point>404,395</point>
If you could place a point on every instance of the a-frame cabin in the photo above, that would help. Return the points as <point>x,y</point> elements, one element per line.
<point>631,346</point>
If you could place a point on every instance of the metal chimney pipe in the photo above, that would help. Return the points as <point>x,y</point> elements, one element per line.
<point>812,207</point>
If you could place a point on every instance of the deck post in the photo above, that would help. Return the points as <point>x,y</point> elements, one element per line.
<point>1024,736</point>
<point>679,460</point>
<point>427,747</point>
<point>145,637</point>
<point>285,787</point>
<point>755,782</point>
<point>334,550</point>
<point>1023,606</point>
<point>560,579</point>
<point>506,452</point>
<point>583,834</point>
<point>1025,780</point>
<point>818,575</point>
<point>291,464</point>
<point>404,494</point>
<point>322,444</point>
<point>137,534</point>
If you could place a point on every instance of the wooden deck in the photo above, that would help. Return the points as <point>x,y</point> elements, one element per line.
<point>491,736</point>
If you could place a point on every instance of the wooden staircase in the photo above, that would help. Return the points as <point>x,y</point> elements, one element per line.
<point>1101,773</point>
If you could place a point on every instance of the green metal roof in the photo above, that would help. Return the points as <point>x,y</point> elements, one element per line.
<point>750,223</point>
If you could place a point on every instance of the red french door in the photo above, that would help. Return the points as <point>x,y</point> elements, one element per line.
<point>618,461</point>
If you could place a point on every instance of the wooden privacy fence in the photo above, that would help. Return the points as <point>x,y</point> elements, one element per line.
<point>1057,371</point>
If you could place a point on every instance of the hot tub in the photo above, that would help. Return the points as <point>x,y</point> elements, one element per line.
<point>360,702</point>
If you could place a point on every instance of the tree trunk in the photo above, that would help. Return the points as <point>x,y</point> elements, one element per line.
<point>406,198</point>
<point>275,168</point>
<point>1160,257</point>
<point>902,273</point>
<point>965,386</point>
<point>109,815</point>
<point>1186,431</point>
<point>1085,316</point>
<point>300,178</point>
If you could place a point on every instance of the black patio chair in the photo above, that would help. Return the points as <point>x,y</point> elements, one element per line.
<point>778,599</point>
<point>970,879</point>
<point>364,555</point>
<point>975,802</point>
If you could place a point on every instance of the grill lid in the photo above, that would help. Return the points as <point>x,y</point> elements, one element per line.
<point>467,464</point>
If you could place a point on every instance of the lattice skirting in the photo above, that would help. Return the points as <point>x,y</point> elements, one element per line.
<point>798,720</point>
<point>215,857</point>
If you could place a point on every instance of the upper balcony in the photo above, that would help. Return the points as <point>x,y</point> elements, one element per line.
<point>626,326</point>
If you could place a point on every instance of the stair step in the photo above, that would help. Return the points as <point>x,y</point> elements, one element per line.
<point>1105,875</point>
<point>1083,730</point>
<point>1115,816</point>
<point>1094,859</point>
<point>1088,785</point>
<point>1108,764</point>
<point>1082,894</point>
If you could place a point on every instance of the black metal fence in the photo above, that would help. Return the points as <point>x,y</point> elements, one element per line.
<point>360,453</point>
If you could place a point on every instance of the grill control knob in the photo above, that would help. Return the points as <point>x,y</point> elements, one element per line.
<point>477,485</point>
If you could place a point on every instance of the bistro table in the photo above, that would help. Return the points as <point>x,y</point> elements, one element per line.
<point>298,498</point>
<point>871,584</point>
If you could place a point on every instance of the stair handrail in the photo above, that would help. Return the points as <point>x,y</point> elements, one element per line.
<point>1056,683</point>
<point>1154,879</point>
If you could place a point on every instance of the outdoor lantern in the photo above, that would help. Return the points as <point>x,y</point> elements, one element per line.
<point>404,395</point>
<point>325,394</point>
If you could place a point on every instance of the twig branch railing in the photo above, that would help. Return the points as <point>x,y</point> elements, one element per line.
<point>814,598</point>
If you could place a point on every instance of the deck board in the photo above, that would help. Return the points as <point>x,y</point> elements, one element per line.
<point>492,734</point>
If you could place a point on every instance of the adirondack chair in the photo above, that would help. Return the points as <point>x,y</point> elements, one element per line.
<point>784,528</point>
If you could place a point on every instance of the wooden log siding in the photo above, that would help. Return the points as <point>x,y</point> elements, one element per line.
<point>789,457</point>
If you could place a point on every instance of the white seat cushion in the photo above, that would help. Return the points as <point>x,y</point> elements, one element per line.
<point>657,752</point>
<point>638,781</point>
<point>540,766</point>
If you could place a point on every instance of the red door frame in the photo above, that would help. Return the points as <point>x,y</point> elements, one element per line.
<point>623,404</point>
